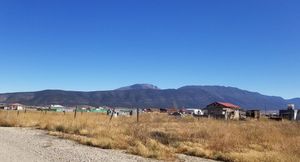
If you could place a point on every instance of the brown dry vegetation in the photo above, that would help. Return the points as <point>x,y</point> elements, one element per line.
<point>160,136</point>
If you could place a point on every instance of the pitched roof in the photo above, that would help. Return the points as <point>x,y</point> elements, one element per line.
<point>224,104</point>
<point>230,105</point>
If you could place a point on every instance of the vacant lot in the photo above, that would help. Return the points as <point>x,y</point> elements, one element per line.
<point>161,137</point>
<point>32,145</point>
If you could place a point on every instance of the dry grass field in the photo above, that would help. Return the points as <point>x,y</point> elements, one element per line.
<point>160,136</point>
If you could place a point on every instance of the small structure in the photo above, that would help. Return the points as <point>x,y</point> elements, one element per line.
<point>194,111</point>
<point>223,110</point>
<point>243,114</point>
<point>99,110</point>
<point>274,116</point>
<point>290,113</point>
<point>3,106</point>
<point>125,112</point>
<point>56,108</point>
<point>15,106</point>
<point>84,108</point>
<point>255,114</point>
<point>121,112</point>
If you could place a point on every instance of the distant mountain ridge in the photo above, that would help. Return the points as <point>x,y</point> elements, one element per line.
<point>146,95</point>
<point>139,87</point>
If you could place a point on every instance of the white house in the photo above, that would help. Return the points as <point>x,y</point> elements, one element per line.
<point>16,106</point>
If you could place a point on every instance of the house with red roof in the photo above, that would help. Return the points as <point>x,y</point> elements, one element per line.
<point>223,110</point>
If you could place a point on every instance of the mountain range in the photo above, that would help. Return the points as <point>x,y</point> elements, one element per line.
<point>147,95</point>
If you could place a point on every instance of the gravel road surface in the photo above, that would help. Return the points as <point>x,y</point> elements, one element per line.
<point>31,145</point>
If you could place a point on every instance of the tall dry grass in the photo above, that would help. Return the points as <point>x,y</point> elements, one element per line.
<point>160,136</point>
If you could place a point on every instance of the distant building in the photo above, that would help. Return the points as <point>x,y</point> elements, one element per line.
<point>223,110</point>
<point>15,106</point>
<point>290,113</point>
<point>57,108</point>
<point>194,111</point>
<point>3,106</point>
<point>84,108</point>
<point>255,114</point>
<point>99,110</point>
<point>121,112</point>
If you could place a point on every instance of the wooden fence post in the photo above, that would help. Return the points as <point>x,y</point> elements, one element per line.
<point>137,114</point>
<point>75,113</point>
<point>112,114</point>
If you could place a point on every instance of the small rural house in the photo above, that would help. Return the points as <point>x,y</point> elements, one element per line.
<point>15,106</point>
<point>223,110</point>
<point>290,113</point>
<point>255,114</point>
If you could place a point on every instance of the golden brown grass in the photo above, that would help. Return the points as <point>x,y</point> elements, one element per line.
<point>160,136</point>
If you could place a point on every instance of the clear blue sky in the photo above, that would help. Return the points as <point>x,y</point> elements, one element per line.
<point>99,45</point>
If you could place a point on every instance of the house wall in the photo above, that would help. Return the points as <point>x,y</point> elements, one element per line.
<point>15,107</point>
<point>298,116</point>
<point>20,107</point>
<point>236,115</point>
<point>288,114</point>
<point>223,113</point>
<point>216,112</point>
<point>253,114</point>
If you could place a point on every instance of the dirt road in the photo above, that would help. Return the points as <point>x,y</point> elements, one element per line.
<point>31,145</point>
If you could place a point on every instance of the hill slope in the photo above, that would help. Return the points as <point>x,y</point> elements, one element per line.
<point>189,96</point>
